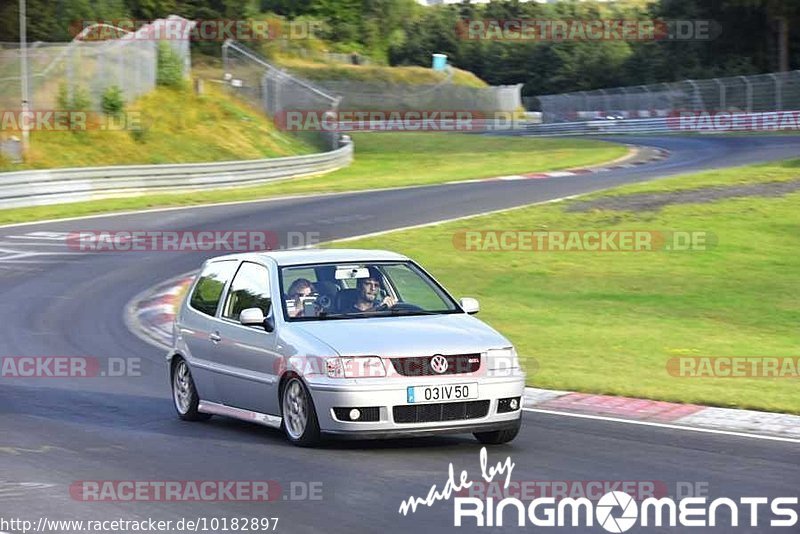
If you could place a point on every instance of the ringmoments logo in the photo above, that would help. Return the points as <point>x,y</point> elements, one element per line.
<point>615,511</point>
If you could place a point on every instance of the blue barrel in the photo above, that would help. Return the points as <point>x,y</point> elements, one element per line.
<point>439,61</point>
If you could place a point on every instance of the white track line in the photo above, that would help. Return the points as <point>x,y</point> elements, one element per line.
<point>230,203</point>
<point>664,425</point>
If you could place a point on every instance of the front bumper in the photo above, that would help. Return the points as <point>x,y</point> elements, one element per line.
<point>421,432</point>
<point>388,395</point>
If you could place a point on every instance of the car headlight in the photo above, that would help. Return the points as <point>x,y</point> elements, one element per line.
<point>355,367</point>
<point>502,359</point>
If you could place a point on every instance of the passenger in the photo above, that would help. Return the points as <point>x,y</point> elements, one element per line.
<point>300,288</point>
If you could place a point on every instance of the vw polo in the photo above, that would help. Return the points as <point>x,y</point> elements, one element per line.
<point>344,343</point>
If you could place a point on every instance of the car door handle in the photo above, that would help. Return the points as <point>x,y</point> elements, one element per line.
<point>215,337</point>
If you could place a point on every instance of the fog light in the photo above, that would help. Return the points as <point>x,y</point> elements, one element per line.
<point>510,404</point>
<point>354,414</point>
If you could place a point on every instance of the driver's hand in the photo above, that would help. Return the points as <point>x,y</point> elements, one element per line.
<point>389,301</point>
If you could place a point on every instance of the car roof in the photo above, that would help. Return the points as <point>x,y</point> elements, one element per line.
<point>319,255</point>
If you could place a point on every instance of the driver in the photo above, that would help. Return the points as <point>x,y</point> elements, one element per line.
<point>369,291</point>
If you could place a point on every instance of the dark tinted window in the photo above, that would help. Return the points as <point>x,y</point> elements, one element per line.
<point>209,288</point>
<point>249,289</point>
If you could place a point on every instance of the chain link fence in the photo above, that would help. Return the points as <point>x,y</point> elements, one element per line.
<point>82,70</point>
<point>367,96</point>
<point>129,62</point>
<point>778,91</point>
<point>275,91</point>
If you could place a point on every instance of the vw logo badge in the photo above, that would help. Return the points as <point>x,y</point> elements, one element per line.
<point>439,364</point>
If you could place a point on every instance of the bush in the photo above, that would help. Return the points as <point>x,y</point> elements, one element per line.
<point>139,134</point>
<point>78,101</point>
<point>112,100</point>
<point>170,66</point>
<point>63,97</point>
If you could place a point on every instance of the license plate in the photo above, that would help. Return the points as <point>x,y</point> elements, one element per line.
<point>449,392</point>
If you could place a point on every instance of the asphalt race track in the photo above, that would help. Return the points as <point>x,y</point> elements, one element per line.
<point>55,432</point>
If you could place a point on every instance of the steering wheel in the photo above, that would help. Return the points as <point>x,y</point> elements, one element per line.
<point>399,306</point>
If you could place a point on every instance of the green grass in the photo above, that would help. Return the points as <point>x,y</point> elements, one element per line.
<point>382,160</point>
<point>179,127</point>
<point>608,322</point>
<point>316,69</point>
<point>320,71</point>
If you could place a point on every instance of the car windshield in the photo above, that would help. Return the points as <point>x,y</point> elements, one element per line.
<point>352,290</point>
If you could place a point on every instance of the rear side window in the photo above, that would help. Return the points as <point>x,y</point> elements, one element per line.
<point>208,290</point>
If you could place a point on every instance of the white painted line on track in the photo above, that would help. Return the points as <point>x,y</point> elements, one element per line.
<point>663,425</point>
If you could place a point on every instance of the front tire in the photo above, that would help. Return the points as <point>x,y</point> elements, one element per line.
<point>300,422</point>
<point>498,437</point>
<point>184,393</point>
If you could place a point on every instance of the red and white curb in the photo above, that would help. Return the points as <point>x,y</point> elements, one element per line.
<point>150,314</point>
<point>646,155</point>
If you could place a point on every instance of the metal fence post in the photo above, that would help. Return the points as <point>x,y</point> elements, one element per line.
<point>721,85</point>
<point>778,95</point>
<point>225,46</point>
<point>748,93</point>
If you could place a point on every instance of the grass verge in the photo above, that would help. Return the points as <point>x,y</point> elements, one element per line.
<point>177,127</point>
<point>608,322</point>
<point>382,160</point>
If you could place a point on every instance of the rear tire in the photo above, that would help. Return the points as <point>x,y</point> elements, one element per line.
<point>300,422</point>
<point>184,393</point>
<point>498,437</point>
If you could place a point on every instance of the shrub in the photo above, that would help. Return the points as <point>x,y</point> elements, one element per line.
<point>170,66</point>
<point>112,101</point>
<point>78,101</point>
<point>63,97</point>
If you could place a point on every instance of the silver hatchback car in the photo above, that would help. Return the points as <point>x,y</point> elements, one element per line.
<point>345,343</point>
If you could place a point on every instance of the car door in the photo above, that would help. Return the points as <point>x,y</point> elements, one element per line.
<point>199,328</point>
<point>247,354</point>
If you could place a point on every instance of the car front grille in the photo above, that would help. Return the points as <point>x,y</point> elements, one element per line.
<point>421,365</point>
<point>445,411</point>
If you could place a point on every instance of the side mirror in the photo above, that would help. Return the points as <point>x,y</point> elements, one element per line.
<point>470,305</point>
<point>255,317</point>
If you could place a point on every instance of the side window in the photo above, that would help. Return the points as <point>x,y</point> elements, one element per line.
<point>249,289</point>
<point>209,288</point>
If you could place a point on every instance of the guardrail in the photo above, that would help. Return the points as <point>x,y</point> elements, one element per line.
<point>708,124</point>
<point>56,186</point>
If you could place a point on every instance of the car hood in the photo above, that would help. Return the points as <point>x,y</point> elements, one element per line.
<point>405,336</point>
